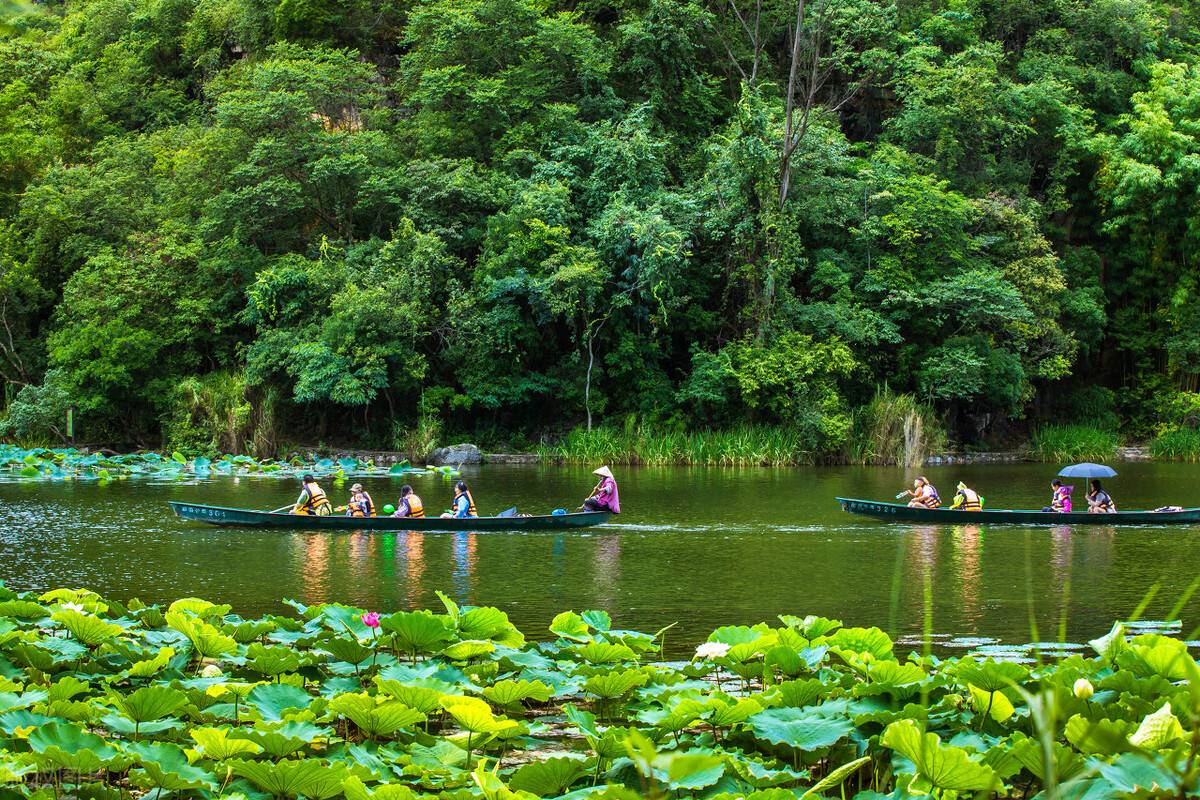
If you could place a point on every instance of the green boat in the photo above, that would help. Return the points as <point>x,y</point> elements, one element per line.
<point>248,518</point>
<point>947,516</point>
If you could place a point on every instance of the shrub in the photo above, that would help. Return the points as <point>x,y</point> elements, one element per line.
<point>894,429</point>
<point>1179,444</point>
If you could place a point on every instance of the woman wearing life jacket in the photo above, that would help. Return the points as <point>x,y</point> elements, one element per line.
<point>604,496</point>
<point>1060,501</point>
<point>924,494</point>
<point>967,499</point>
<point>410,504</point>
<point>312,500</point>
<point>1099,501</point>
<point>464,503</point>
<point>361,504</point>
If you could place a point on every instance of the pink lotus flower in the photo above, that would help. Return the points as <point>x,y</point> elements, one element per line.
<point>370,619</point>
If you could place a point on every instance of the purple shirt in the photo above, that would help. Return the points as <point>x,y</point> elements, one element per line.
<point>608,497</point>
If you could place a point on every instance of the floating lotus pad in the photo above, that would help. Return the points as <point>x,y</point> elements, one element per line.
<point>71,464</point>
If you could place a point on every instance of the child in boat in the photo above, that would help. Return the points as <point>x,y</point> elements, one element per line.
<point>1099,501</point>
<point>1060,501</point>
<point>924,494</point>
<point>967,499</point>
<point>361,504</point>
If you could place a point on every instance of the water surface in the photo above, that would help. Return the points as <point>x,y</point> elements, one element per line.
<point>698,546</point>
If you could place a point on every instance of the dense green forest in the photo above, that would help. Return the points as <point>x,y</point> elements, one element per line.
<point>232,224</point>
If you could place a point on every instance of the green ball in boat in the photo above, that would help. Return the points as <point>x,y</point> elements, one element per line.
<point>389,510</point>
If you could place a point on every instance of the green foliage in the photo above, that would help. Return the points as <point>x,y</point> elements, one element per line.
<point>399,730</point>
<point>391,223</point>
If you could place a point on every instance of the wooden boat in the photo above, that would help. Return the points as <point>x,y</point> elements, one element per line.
<point>248,518</point>
<point>947,516</point>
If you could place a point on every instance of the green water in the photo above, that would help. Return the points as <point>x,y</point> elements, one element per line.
<point>700,547</point>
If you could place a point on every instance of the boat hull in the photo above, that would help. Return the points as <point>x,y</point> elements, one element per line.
<point>946,516</point>
<point>246,518</point>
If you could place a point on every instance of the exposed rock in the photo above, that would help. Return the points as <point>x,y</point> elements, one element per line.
<point>455,455</point>
<point>974,458</point>
<point>512,458</point>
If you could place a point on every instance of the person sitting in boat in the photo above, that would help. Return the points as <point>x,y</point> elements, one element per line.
<point>361,504</point>
<point>924,494</point>
<point>464,503</point>
<point>1060,500</point>
<point>604,496</point>
<point>312,500</point>
<point>967,499</point>
<point>1099,501</point>
<point>410,504</point>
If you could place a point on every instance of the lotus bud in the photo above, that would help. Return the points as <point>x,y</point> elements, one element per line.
<point>1084,689</point>
<point>211,671</point>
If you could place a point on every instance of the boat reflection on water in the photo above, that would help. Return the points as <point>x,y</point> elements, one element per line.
<point>968,560</point>
<point>466,556</point>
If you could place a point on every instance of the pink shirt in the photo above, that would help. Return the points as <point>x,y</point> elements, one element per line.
<point>607,496</point>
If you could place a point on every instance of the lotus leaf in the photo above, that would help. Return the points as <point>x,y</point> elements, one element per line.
<point>247,631</point>
<point>569,625</point>
<point>727,712</point>
<point>738,634</point>
<point>271,661</point>
<point>548,778</point>
<point>215,743</point>
<point>800,693</point>
<point>20,723</point>
<point>373,717</point>
<point>196,607</point>
<point>1027,752</point>
<point>605,653</point>
<point>347,649</point>
<point>1099,736</point>
<point>421,698</point>
<point>148,668</point>
<point>67,746</point>
<point>861,641</point>
<point>676,718</point>
<point>466,650</point>
<point>508,693</point>
<point>207,640</point>
<point>150,703</point>
<point>990,675</point>
<point>836,777</point>
<point>23,609</point>
<point>281,741</point>
<point>118,723</point>
<point>1158,730</point>
<point>483,622</point>
<point>273,700</point>
<point>611,685</point>
<point>598,619</point>
<point>1111,644</point>
<point>994,704</point>
<point>165,766</point>
<point>89,629</point>
<point>802,729</point>
<point>472,714</point>
<point>11,700</point>
<point>938,766</point>
<point>417,631</point>
<point>310,777</point>
<point>1163,655</point>
<point>355,789</point>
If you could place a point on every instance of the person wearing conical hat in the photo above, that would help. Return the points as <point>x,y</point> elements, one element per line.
<point>604,496</point>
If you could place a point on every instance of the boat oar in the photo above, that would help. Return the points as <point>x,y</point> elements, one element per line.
<point>281,508</point>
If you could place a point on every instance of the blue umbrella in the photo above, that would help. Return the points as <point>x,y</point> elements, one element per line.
<point>1088,470</point>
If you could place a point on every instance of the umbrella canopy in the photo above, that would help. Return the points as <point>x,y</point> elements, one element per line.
<point>1087,470</point>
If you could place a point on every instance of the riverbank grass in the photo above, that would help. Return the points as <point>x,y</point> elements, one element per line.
<point>1180,444</point>
<point>102,699</point>
<point>1074,443</point>
<point>743,446</point>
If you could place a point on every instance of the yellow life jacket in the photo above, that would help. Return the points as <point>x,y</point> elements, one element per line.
<point>416,509</point>
<point>971,501</point>
<point>316,504</point>
<point>471,512</point>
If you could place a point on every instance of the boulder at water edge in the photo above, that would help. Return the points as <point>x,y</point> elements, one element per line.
<point>455,455</point>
